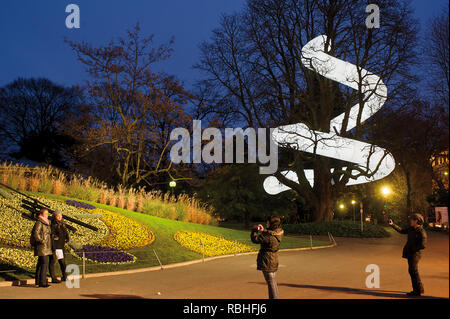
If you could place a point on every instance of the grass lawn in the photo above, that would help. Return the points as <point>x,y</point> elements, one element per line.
<point>168,250</point>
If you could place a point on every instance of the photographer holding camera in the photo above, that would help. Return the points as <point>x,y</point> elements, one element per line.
<point>417,238</point>
<point>267,260</point>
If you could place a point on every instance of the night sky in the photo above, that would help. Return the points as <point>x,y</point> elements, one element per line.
<point>32,32</point>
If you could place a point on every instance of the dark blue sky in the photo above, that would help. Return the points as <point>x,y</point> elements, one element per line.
<point>32,32</point>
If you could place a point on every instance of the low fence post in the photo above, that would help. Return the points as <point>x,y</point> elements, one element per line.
<point>203,249</point>
<point>154,251</point>
<point>84,265</point>
<point>235,247</point>
<point>310,240</point>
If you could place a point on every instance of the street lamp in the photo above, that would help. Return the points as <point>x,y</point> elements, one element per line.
<point>386,191</point>
<point>172,185</point>
<point>353,204</point>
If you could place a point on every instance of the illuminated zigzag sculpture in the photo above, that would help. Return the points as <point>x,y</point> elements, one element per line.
<point>369,158</point>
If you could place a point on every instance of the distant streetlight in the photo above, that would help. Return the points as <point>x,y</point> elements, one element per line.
<point>446,173</point>
<point>385,191</point>
<point>172,185</point>
<point>341,206</point>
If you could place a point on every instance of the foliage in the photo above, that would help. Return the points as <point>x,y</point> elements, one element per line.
<point>337,229</point>
<point>214,245</point>
<point>53,181</point>
<point>237,194</point>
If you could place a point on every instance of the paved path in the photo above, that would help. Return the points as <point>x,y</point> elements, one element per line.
<point>327,273</point>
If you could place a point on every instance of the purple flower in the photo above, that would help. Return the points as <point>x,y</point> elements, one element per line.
<point>79,204</point>
<point>105,254</point>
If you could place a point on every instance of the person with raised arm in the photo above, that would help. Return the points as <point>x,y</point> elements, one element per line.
<point>417,238</point>
<point>267,260</point>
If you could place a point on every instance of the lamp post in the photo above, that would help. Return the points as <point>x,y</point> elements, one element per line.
<point>361,211</point>
<point>353,204</point>
<point>385,191</point>
<point>342,207</point>
<point>172,185</point>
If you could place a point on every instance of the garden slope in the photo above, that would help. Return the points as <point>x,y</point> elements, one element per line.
<point>167,249</point>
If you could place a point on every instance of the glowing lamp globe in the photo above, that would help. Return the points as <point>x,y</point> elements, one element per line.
<point>386,191</point>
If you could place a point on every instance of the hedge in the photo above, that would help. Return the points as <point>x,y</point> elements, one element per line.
<point>337,229</point>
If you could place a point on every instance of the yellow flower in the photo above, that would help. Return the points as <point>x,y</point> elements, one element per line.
<point>214,245</point>
<point>125,233</point>
<point>19,257</point>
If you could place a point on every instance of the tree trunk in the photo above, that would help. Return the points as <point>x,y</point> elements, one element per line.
<point>322,209</point>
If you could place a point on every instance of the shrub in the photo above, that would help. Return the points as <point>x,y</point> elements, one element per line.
<point>337,229</point>
<point>45,186</point>
<point>33,186</point>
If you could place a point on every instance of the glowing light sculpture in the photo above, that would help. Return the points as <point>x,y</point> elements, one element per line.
<point>374,160</point>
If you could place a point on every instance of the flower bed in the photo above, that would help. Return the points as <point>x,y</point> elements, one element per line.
<point>125,233</point>
<point>18,257</point>
<point>214,245</point>
<point>105,255</point>
<point>78,204</point>
<point>83,235</point>
<point>15,230</point>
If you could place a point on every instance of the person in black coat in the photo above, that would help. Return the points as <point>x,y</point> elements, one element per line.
<point>267,260</point>
<point>60,236</point>
<point>417,238</point>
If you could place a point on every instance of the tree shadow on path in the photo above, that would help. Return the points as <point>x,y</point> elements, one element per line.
<point>357,291</point>
<point>112,296</point>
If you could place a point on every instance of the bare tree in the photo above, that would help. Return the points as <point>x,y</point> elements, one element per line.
<point>134,108</point>
<point>437,57</point>
<point>254,64</point>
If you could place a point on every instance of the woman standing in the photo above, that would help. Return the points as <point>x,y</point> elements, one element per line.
<point>60,236</point>
<point>41,241</point>
<point>267,260</point>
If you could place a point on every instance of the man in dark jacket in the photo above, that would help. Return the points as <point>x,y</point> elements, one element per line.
<point>417,238</point>
<point>267,260</point>
<point>60,236</point>
<point>41,241</point>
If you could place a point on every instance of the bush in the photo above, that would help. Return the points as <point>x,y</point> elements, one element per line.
<point>337,229</point>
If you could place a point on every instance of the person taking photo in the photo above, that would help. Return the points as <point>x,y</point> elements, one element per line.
<point>267,260</point>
